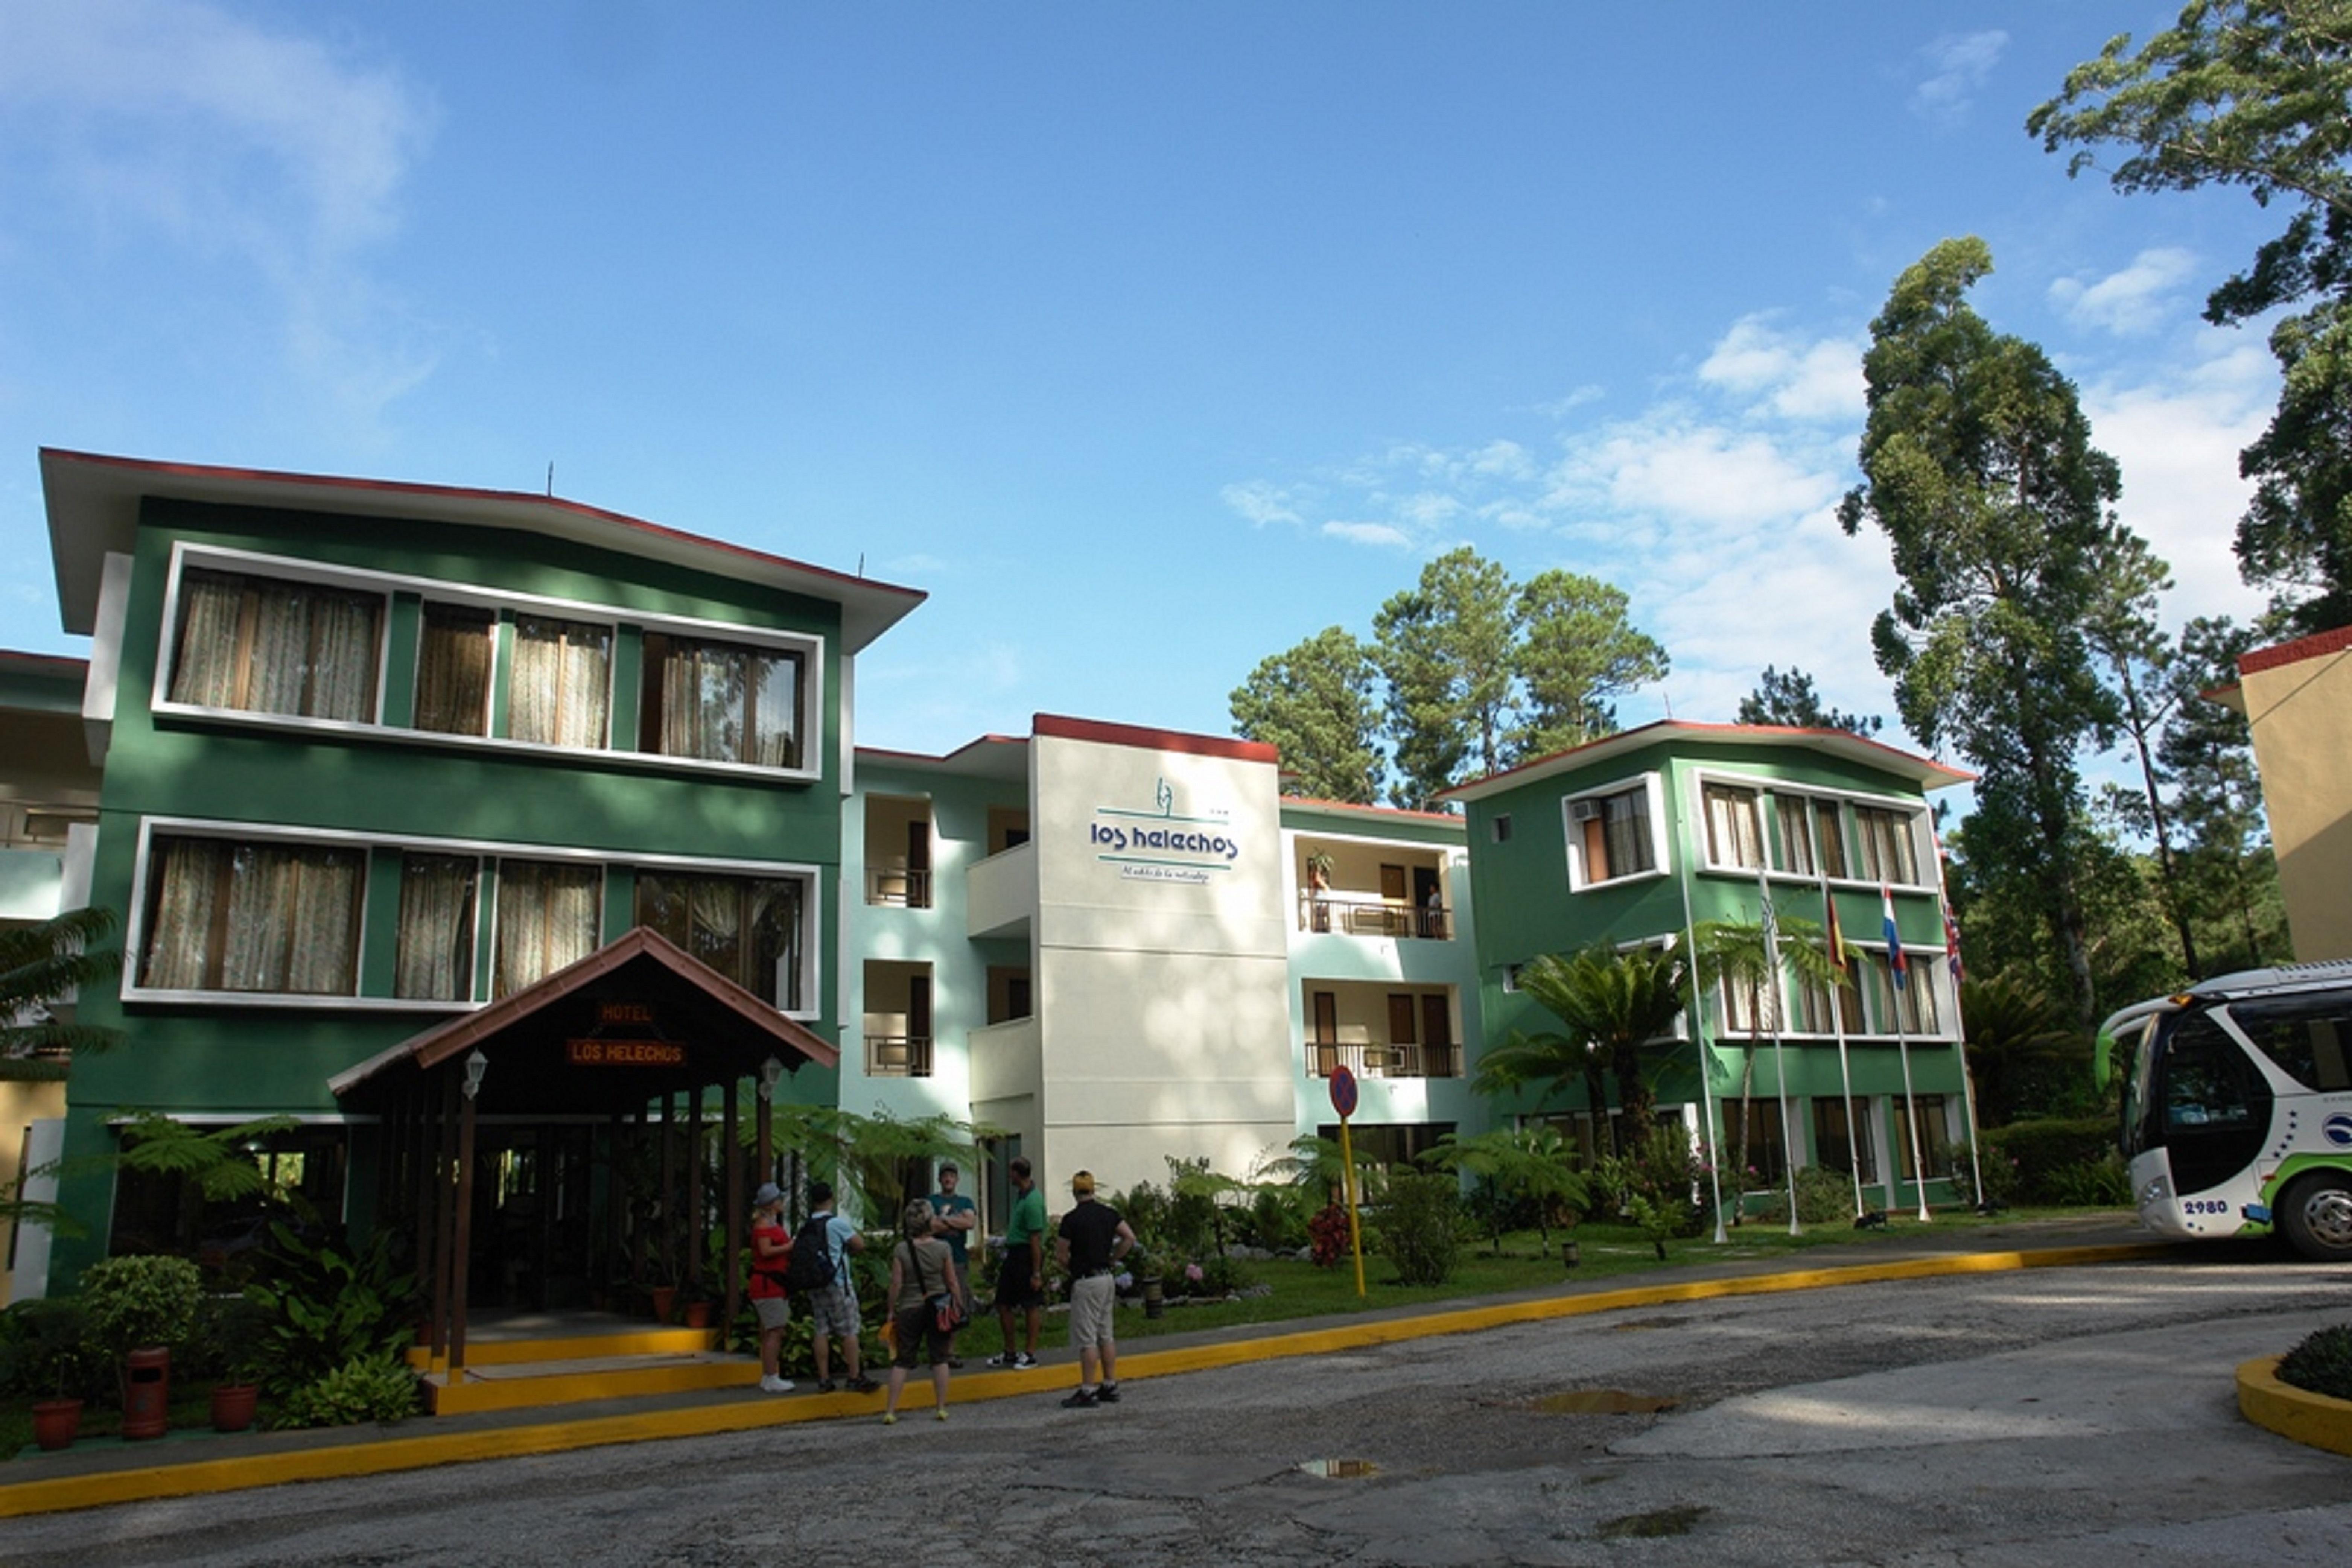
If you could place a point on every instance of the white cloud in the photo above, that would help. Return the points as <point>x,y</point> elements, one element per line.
<point>2176,436</point>
<point>1794,378</point>
<point>2140,299</point>
<point>1379,534</point>
<point>1260,503</point>
<point>227,136</point>
<point>1957,64</point>
<point>1698,473</point>
<point>1559,407</point>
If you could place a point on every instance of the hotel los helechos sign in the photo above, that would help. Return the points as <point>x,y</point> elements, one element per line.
<point>1161,844</point>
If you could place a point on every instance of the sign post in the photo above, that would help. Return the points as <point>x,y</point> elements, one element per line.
<point>1343,1100</point>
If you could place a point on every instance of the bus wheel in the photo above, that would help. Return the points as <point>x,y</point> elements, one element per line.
<point>2317,1216</point>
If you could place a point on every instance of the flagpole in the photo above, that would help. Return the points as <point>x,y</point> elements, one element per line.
<point>1836,939</point>
<point>1903,1047</point>
<point>1697,1014</point>
<point>1771,999</point>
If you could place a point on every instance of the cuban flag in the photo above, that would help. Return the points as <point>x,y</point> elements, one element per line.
<point>1896,964</point>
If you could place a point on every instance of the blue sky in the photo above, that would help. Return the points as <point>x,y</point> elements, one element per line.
<point>1148,339</point>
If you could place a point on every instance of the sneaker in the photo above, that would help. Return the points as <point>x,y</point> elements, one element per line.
<point>861,1386</point>
<point>955,1364</point>
<point>1008,1359</point>
<point>1107,1394</point>
<point>890,1419</point>
<point>825,1386</point>
<point>938,1413</point>
<point>775,1385</point>
<point>1024,1360</point>
<point>1081,1399</point>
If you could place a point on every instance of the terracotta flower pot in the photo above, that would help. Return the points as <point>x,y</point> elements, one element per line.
<point>698,1314</point>
<point>665,1297</point>
<point>56,1422</point>
<point>233,1404</point>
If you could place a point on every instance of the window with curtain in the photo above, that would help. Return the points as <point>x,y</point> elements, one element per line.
<point>1812,1015</point>
<point>454,652</point>
<point>1888,852</point>
<point>1792,833</point>
<point>1925,1112</point>
<point>1745,1008</point>
<point>560,692</point>
<point>723,702</point>
<point>748,929</point>
<point>1916,997</point>
<point>548,918</point>
<point>265,645</point>
<point>228,915</point>
<point>1733,837</point>
<point>1834,1146</point>
<point>1614,832</point>
<point>1828,836</point>
<point>434,958</point>
<point>1768,1148</point>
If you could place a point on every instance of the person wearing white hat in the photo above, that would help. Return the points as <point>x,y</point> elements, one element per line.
<point>771,1251</point>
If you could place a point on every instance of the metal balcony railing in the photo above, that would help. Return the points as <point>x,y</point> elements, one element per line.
<point>1408,1060</point>
<point>1369,914</point>
<point>907,889</point>
<point>897,1056</point>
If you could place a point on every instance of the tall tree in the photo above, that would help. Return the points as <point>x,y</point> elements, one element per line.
<point>1444,648</point>
<point>1978,466</point>
<point>1576,651</point>
<point>1611,1005</point>
<point>1316,704</point>
<point>2255,93</point>
<point>1790,700</point>
<point>2227,867</point>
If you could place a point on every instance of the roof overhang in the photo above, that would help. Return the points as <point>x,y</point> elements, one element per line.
<point>720,1031</point>
<point>1925,771</point>
<point>93,507</point>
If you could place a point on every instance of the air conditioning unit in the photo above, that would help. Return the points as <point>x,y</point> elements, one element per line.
<point>1584,811</point>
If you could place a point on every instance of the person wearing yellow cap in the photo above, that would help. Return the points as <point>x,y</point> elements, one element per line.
<point>1092,1240</point>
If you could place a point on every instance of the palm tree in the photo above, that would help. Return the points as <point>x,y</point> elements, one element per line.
<point>1530,1162</point>
<point>1732,952</point>
<point>2013,1030</point>
<point>39,966</point>
<point>1612,1004</point>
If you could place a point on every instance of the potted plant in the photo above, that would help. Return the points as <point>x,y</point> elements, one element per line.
<point>231,1341</point>
<point>139,1308</point>
<point>50,1349</point>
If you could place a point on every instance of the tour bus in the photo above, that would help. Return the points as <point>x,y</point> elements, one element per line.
<point>2237,1116</point>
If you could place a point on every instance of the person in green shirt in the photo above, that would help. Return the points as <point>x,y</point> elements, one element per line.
<point>1021,1277</point>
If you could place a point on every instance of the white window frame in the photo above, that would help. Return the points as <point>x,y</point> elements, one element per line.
<point>621,620</point>
<point>1757,789</point>
<point>485,913</point>
<point>1654,802</point>
<point>1917,814</point>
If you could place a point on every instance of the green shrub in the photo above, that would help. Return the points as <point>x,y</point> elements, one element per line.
<point>1824,1198</point>
<point>136,1302</point>
<point>2040,1152</point>
<point>1145,1209</point>
<point>325,1308</point>
<point>1421,1226</point>
<point>2004,1181</point>
<point>2093,1183</point>
<point>2322,1364</point>
<point>45,1351</point>
<point>1278,1218</point>
<point>373,1387</point>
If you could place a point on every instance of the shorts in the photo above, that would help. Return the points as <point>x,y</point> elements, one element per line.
<point>775,1311</point>
<point>1013,1287</point>
<point>919,1326</point>
<point>1091,1301</point>
<point>833,1311</point>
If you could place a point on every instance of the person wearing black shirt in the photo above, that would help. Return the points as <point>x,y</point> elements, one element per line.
<point>1091,1241</point>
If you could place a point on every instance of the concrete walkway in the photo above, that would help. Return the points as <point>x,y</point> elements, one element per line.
<point>191,1463</point>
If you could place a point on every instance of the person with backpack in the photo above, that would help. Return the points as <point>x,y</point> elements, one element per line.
<point>820,1268</point>
<point>772,1250</point>
<point>926,1299</point>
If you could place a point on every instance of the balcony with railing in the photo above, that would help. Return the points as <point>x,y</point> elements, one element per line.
<point>1369,914</point>
<point>1408,1059</point>
<point>898,886</point>
<point>897,1056</point>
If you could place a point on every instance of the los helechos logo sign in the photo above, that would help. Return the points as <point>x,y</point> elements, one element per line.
<point>1162,845</point>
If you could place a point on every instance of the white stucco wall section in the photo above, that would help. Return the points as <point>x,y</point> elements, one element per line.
<point>1162,960</point>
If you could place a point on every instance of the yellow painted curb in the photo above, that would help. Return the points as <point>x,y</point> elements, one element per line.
<point>2313,1420</point>
<point>335,1460</point>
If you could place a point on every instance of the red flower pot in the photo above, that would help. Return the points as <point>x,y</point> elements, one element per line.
<point>233,1404</point>
<point>56,1422</point>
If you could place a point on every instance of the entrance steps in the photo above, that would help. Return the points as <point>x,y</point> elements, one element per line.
<point>525,1362</point>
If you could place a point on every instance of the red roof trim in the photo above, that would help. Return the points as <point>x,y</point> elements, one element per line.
<point>65,662</point>
<point>2316,645</point>
<point>1153,739</point>
<point>465,493</point>
<point>974,744</point>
